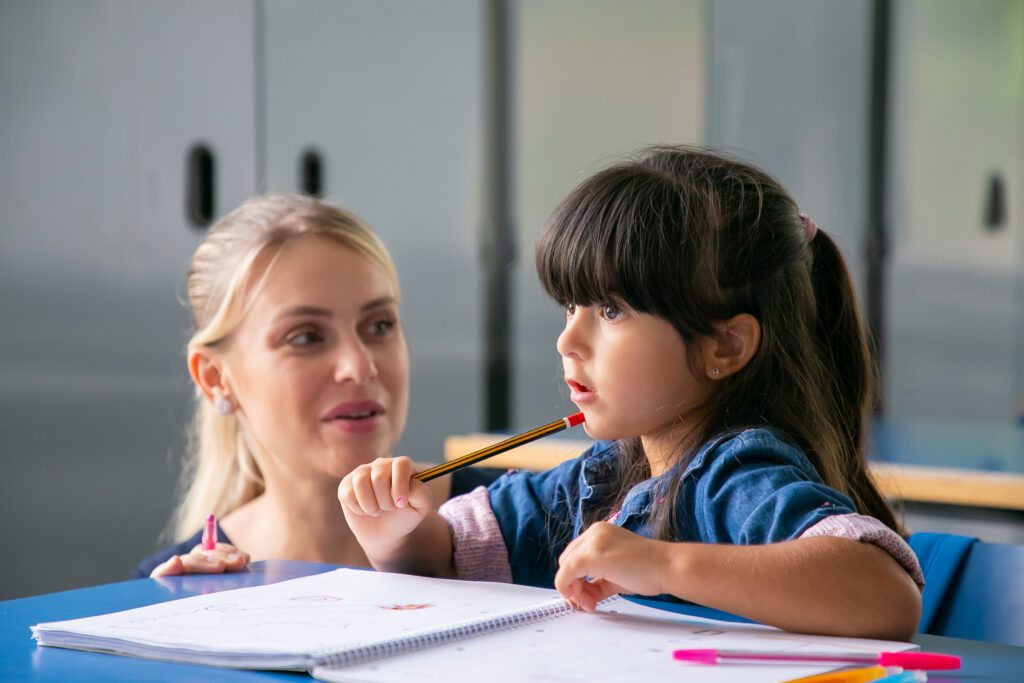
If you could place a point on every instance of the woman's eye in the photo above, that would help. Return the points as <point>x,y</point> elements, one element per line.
<point>381,328</point>
<point>570,309</point>
<point>610,312</point>
<point>304,338</point>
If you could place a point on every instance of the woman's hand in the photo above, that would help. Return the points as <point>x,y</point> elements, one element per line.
<point>383,504</point>
<point>225,558</point>
<point>607,559</point>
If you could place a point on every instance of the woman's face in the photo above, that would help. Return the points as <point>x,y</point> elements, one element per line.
<point>318,369</point>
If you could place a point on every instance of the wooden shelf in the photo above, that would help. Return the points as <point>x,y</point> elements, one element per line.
<point>917,483</point>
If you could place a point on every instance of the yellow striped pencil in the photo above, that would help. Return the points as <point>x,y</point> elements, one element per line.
<point>500,447</point>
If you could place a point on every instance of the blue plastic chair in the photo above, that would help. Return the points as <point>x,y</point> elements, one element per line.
<point>973,590</point>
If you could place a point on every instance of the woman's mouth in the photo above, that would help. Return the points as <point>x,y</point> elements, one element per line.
<point>355,416</point>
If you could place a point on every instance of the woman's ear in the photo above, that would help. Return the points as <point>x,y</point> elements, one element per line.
<point>735,342</point>
<point>206,367</point>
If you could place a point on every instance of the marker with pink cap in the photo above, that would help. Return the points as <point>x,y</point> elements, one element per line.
<point>928,661</point>
<point>210,534</point>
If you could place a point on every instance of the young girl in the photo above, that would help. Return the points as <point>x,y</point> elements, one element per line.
<point>712,342</point>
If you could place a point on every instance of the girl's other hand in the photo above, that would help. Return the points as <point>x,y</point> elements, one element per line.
<point>225,558</point>
<point>383,503</point>
<point>607,559</point>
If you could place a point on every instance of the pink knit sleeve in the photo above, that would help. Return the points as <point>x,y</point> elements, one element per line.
<point>480,552</point>
<point>866,529</point>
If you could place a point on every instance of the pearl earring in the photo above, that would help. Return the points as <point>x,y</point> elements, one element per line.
<point>714,372</point>
<point>222,405</point>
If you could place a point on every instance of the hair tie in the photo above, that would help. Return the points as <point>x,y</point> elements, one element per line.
<point>810,227</point>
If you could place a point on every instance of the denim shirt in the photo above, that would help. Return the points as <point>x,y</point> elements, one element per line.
<point>744,488</point>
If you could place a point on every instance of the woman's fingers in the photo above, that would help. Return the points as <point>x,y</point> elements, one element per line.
<point>169,567</point>
<point>225,558</point>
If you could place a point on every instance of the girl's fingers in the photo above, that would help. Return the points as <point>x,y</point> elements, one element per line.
<point>362,491</point>
<point>401,479</point>
<point>347,497</point>
<point>380,478</point>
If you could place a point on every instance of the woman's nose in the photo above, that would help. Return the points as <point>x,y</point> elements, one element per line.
<point>354,363</point>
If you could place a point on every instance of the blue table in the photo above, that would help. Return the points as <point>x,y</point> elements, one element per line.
<point>21,660</point>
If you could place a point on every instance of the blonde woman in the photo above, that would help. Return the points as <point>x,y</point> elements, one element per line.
<point>302,372</point>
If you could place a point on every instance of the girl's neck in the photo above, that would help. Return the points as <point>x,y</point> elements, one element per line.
<point>663,450</point>
<point>295,524</point>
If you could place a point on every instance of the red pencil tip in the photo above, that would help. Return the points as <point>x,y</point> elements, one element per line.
<point>576,419</point>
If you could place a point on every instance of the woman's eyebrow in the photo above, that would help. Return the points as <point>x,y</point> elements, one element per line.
<point>297,311</point>
<point>376,303</point>
<point>306,310</point>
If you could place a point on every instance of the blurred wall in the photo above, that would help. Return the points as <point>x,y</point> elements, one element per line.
<point>103,99</point>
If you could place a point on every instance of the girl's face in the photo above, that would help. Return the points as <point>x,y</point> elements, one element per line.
<point>318,368</point>
<point>628,372</point>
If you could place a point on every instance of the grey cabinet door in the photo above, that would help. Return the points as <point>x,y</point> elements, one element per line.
<point>593,80</point>
<point>101,102</point>
<point>389,94</point>
<point>954,317</point>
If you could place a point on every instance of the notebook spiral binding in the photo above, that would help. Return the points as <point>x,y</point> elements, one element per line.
<point>419,640</point>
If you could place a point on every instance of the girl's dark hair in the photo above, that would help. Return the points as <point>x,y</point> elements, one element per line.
<point>697,238</point>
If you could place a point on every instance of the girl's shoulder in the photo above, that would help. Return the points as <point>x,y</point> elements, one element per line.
<point>749,446</point>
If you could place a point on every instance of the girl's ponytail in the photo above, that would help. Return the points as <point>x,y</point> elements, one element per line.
<point>844,354</point>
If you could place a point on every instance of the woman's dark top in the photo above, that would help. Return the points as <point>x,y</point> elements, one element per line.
<point>463,481</point>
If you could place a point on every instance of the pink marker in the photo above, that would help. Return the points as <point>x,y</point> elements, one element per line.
<point>907,660</point>
<point>210,533</point>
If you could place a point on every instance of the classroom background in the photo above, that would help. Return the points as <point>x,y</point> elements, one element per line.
<point>454,127</point>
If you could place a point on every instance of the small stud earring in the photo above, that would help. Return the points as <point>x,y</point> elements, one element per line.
<point>222,405</point>
<point>714,372</point>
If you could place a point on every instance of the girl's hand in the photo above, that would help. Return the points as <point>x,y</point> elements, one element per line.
<point>225,558</point>
<point>615,560</point>
<point>383,504</point>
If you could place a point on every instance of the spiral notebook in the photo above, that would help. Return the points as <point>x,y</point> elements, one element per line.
<point>353,625</point>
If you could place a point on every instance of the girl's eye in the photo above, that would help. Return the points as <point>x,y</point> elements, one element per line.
<point>304,338</point>
<point>570,309</point>
<point>610,312</point>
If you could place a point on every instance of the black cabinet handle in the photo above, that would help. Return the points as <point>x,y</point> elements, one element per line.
<point>995,203</point>
<point>311,173</point>
<point>200,181</point>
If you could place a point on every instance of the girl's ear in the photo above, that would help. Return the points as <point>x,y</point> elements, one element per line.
<point>735,342</point>
<point>207,369</point>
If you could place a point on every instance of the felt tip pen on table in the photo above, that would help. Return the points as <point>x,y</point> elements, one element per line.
<point>905,677</point>
<point>210,534</point>
<point>500,447</point>
<point>906,660</point>
<point>869,674</point>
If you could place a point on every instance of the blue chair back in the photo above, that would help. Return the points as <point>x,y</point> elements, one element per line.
<point>973,590</point>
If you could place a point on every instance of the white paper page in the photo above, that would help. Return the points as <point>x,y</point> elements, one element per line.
<point>633,643</point>
<point>300,616</point>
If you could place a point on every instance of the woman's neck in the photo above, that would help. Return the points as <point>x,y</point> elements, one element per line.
<point>290,524</point>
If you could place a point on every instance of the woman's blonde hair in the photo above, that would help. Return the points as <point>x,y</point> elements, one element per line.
<point>220,472</point>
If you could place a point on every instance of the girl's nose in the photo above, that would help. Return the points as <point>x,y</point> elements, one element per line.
<point>571,340</point>
<point>354,363</point>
